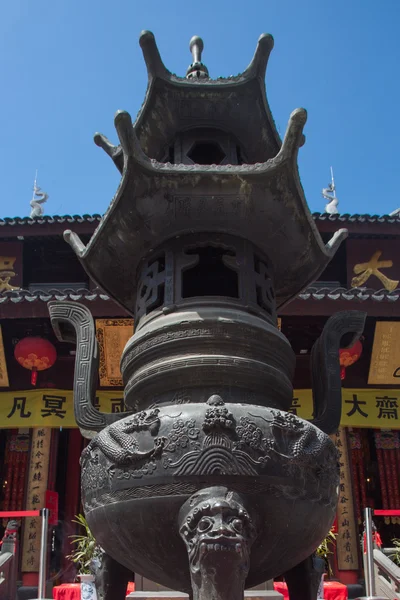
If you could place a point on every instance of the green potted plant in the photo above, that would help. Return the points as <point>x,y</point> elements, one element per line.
<point>321,560</point>
<point>87,556</point>
<point>395,556</point>
<point>324,550</point>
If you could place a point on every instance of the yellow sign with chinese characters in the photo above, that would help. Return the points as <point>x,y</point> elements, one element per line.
<point>385,360</point>
<point>378,409</point>
<point>3,365</point>
<point>371,268</point>
<point>7,273</point>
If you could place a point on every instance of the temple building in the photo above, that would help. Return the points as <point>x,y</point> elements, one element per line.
<point>40,443</point>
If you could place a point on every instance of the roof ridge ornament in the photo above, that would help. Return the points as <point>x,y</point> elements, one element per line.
<point>329,193</point>
<point>38,198</point>
<point>197,70</point>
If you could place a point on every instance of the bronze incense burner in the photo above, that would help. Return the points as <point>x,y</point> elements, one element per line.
<point>207,484</point>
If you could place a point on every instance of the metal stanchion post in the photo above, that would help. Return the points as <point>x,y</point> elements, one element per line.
<point>370,588</point>
<point>370,574</point>
<point>43,554</point>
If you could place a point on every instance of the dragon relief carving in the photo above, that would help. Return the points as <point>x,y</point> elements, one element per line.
<point>121,448</point>
<point>306,450</point>
<point>227,446</point>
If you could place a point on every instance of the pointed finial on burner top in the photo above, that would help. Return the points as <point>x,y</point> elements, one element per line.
<point>196,69</point>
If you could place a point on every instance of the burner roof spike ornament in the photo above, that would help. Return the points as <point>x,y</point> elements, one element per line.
<point>179,118</point>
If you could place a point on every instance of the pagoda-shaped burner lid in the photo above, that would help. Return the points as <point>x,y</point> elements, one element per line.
<point>261,199</point>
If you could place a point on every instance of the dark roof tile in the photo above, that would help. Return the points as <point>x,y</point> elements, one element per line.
<point>17,296</point>
<point>48,219</point>
<point>353,294</point>
<point>311,293</point>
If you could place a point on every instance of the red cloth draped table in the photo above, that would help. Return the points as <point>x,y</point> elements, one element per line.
<point>67,591</point>
<point>333,590</point>
<point>72,591</point>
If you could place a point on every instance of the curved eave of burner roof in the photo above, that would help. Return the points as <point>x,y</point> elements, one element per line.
<point>311,293</point>
<point>141,215</point>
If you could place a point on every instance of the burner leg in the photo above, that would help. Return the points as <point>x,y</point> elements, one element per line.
<point>218,532</point>
<point>112,579</point>
<point>303,580</point>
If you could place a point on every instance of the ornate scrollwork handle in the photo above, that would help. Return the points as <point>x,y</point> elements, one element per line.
<point>73,322</point>
<point>325,367</point>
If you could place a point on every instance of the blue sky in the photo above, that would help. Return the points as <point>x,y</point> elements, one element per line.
<point>66,66</point>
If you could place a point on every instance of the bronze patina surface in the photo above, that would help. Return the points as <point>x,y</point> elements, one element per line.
<point>207,483</point>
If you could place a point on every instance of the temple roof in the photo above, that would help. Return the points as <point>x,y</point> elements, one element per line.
<point>49,220</point>
<point>345,219</point>
<point>314,292</point>
<point>60,293</point>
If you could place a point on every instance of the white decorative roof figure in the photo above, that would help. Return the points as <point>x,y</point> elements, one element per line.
<point>329,193</point>
<point>38,199</point>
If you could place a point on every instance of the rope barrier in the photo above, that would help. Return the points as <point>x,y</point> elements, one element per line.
<point>387,513</point>
<point>16,514</point>
<point>44,513</point>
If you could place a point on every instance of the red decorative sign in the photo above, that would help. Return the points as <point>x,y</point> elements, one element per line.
<point>51,501</point>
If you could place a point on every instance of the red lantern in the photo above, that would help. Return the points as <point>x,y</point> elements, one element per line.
<point>36,354</point>
<point>348,356</point>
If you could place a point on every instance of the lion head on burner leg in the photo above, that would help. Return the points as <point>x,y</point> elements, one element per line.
<point>218,532</point>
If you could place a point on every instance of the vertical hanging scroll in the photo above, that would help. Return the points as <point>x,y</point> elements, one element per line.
<point>37,485</point>
<point>347,538</point>
<point>3,365</point>
<point>112,335</point>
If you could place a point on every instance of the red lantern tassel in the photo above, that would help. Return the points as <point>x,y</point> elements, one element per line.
<point>34,376</point>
